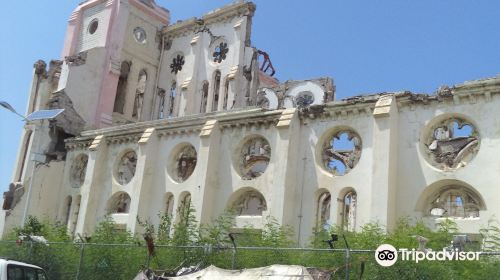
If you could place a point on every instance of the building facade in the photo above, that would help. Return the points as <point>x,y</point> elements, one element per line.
<point>159,116</point>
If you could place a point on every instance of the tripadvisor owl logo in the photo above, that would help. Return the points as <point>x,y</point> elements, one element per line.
<point>386,255</point>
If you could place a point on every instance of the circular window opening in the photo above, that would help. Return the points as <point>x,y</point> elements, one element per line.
<point>125,170</point>
<point>254,157</point>
<point>140,35</point>
<point>182,162</point>
<point>341,152</point>
<point>78,170</point>
<point>93,26</point>
<point>451,143</point>
<point>220,51</point>
<point>304,99</point>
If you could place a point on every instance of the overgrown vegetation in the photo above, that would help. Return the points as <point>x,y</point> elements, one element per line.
<point>114,253</point>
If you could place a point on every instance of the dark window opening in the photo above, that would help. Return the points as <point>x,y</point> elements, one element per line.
<point>215,102</point>
<point>57,146</point>
<point>121,89</point>
<point>204,97</point>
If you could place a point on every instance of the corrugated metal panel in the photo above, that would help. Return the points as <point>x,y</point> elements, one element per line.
<point>98,39</point>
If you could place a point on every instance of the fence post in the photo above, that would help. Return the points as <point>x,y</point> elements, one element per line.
<point>30,251</point>
<point>347,257</point>
<point>80,261</point>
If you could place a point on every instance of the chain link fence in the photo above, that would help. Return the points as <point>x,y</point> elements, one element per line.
<point>123,261</point>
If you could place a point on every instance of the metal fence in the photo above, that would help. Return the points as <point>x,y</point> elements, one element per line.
<point>124,261</point>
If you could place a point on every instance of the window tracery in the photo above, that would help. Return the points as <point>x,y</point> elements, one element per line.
<point>254,158</point>
<point>250,203</point>
<point>452,143</point>
<point>454,201</point>
<point>220,52</point>
<point>341,152</point>
<point>177,63</point>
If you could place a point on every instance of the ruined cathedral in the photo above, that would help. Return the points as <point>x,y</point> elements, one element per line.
<point>161,115</point>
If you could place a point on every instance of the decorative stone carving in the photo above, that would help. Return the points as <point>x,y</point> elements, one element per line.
<point>139,94</point>
<point>40,68</point>
<point>341,152</point>
<point>126,167</point>
<point>78,170</point>
<point>77,59</point>
<point>451,143</point>
<point>251,203</point>
<point>254,158</point>
<point>13,196</point>
<point>140,35</point>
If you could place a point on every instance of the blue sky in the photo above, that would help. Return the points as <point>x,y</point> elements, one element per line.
<point>365,46</point>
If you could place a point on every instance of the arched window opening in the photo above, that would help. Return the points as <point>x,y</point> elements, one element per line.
<point>455,201</point>
<point>171,100</point>
<point>349,203</point>
<point>161,103</point>
<point>323,211</point>
<point>184,209</point>
<point>139,94</point>
<point>215,101</point>
<point>121,89</point>
<point>169,204</point>
<point>119,203</point>
<point>226,94</point>
<point>250,203</point>
<point>204,97</point>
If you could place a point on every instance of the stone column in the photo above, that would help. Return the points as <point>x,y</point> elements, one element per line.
<point>286,163</point>
<point>384,170</point>
<point>208,153</point>
<point>90,190</point>
<point>143,178</point>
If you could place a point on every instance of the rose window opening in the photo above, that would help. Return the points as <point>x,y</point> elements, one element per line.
<point>220,52</point>
<point>126,167</point>
<point>177,63</point>
<point>452,143</point>
<point>256,154</point>
<point>341,152</point>
<point>186,162</point>
<point>304,99</point>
